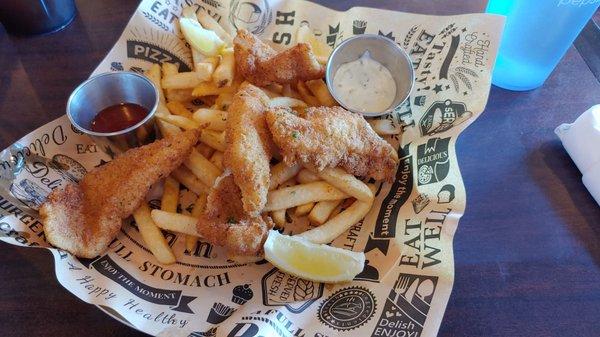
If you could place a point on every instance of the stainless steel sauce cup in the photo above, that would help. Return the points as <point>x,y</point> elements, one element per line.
<point>25,17</point>
<point>107,89</point>
<point>382,50</point>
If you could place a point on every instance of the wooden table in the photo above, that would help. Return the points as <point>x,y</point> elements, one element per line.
<point>527,253</point>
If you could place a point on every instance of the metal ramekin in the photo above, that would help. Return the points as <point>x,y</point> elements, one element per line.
<point>103,90</point>
<point>382,50</point>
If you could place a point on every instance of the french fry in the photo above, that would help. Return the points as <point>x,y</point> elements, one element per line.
<point>213,119</point>
<point>384,127</point>
<point>337,210</point>
<point>189,180</point>
<point>346,182</point>
<point>208,64</point>
<point>188,80</point>
<point>289,92</point>
<point>207,89</point>
<point>170,197</point>
<point>321,92</point>
<point>209,23</point>
<point>177,108</point>
<point>338,224</point>
<point>223,101</point>
<point>161,108</point>
<point>214,60</point>
<point>175,222</point>
<point>180,121</point>
<point>190,242</point>
<point>217,159</point>
<point>169,69</point>
<point>307,176</point>
<point>304,177</point>
<point>153,75</point>
<point>179,95</point>
<point>202,168</point>
<point>281,173</point>
<point>304,209</point>
<point>223,75</point>
<point>214,139</point>
<point>289,197</point>
<point>205,150</point>
<point>306,95</point>
<point>322,211</point>
<point>167,129</point>
<point>286,102</point>
<point>278,216</point>
<point>152,235</point>
<point>199,206</point>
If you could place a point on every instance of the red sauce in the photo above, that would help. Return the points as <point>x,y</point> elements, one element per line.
<point>118,117</point>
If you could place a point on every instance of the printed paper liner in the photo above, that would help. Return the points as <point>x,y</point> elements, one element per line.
<point>407,236</point>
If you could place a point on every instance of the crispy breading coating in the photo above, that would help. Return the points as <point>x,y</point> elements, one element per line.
<point>225,222</point>
<point>330,137</point>
<point>83,219</point>
<point>249,146</point>
<point>261,65</point>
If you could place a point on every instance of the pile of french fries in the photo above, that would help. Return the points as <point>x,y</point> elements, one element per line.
<point>332,200</point>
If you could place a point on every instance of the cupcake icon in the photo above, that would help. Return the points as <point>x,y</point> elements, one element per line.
<point>242,294</point>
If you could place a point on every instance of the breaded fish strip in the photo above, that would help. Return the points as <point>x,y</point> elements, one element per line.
<point>248,149</point>
<point>83,219</point>
<point>261,65</point>
<point>329,137</point>
<point>225,223</point>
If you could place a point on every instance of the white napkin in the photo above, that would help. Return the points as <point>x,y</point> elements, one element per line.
<point>582,142</point>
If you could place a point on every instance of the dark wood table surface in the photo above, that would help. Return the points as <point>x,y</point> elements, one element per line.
<point>527,250</point>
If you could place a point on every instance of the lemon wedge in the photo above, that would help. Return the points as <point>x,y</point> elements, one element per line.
<point>203,40</point>
<point>319,48</point>
<point>315,262</point>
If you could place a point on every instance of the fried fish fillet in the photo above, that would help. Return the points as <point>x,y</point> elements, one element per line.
<point>329,137</point>
<point>83,219</point>
<point>249,145</point>
<point>225,223</point>
<point>261,65</point>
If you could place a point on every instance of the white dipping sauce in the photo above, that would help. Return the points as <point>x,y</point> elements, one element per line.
<point>365,85</point>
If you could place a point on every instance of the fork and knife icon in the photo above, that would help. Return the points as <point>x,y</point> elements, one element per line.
<point>409,296</point>
<point>409,288</point>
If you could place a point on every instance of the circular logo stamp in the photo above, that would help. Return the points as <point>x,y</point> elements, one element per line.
<point>254,15</point>
<point>425,174</point>
<point>347,308</point>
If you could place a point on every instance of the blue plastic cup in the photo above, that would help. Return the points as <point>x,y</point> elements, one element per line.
<point>536,35</point>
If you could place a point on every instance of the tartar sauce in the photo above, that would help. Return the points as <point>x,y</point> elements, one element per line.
<point>365,85</point>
